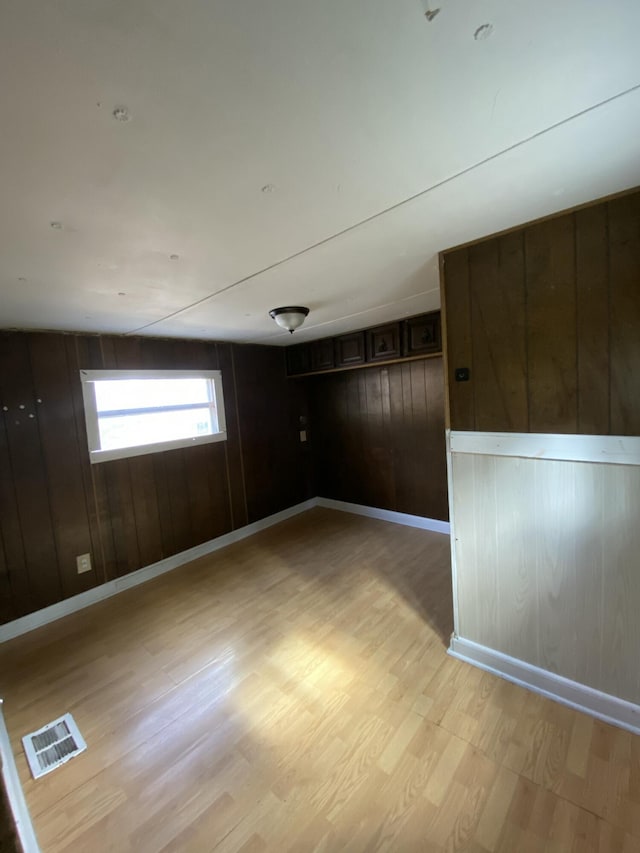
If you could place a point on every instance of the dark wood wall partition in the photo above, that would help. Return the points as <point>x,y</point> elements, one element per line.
<point>547,320</point>
<point>277,467</point>
<point>130,513</point>
<point>378,437</point>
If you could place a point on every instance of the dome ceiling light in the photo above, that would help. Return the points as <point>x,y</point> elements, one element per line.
<point>290,317</point>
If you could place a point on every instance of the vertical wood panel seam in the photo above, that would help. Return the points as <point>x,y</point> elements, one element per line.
<point>94,489</point>
<point>239,421</point>
<point>45,468</point>
<point>526,326</point>
<point>602,583</point>
<point>156,492</point>
<point>385,389</point>
<point>427,422</point>
<point>5,573</point>
<point>472,365</point>
<point>574,219</point>
<point>15,500</point>
<point>99,546</point>
<point>105,525</point>
<point>102,356</point>
<point>226,457</point>
<point>536,571</point>
<point>608,245</point>
<point>442,269</point>
<point>472,340</point>
<point>132,502</point>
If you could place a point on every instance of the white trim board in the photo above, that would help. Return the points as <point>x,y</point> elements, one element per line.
<point>452,531</point>
<point>106,590</point>
<point>12,785</point>
<point>405,518</point>
<point>603,706</point>
<point>113,587</point>
<point>610,449</point>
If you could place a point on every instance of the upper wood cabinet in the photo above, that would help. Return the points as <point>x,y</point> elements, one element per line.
<point>322,354</point>
<point>384,342</point>
<point>414,337</point>
<point>298,359</point>
<point>349,349</point>
<point>422,334</point>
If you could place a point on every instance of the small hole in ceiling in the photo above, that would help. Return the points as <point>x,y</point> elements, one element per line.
<point>268,188</point>
<point>121,114</point>
<point>174,257</point>
<point>21,278</point>
<point>483,32</point>
<point>121,293</point>
<point>431,13</point>
<point>57,226</point>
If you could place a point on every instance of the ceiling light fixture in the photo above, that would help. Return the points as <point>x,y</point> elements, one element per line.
<point>289,318</point>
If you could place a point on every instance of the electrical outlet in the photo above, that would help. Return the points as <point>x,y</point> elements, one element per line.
<point>83,562</point>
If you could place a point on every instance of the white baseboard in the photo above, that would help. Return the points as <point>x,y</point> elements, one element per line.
<point>15,795</point>
<point>106,590</point>
<point>386,515</point>
<point>605,707</point>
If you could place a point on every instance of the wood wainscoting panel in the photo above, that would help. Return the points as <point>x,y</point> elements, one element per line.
<point>550,555</point>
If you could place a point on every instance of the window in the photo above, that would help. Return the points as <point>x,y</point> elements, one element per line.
<point>131,412</point>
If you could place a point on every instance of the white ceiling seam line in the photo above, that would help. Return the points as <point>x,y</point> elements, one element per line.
<point>492,157</point>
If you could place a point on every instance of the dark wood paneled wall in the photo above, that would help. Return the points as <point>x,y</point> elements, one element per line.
<point>129,513</point>
<point>378,437</point>
<point>278,470</point>
<point>547,319</point>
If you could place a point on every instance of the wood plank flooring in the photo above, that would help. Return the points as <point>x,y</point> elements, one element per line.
<point>293,693</point>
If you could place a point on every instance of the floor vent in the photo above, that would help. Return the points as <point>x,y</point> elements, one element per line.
<point>53,745</point>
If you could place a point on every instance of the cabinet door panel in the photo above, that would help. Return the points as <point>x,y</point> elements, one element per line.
<point>350,349</point>
<point>383,342</point>
<point>298,359</point>
<point>422,334</point>
<point>322,356</point>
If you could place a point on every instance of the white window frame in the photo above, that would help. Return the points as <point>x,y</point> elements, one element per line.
<point>96,454</point>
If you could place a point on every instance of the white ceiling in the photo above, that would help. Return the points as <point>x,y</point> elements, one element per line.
<point>314,152</point>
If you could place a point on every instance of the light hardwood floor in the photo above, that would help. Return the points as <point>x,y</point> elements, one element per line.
<point>293,692</point>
